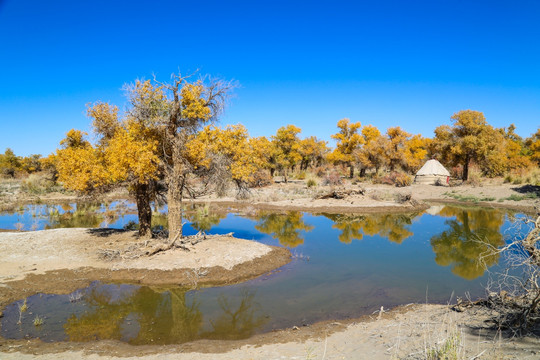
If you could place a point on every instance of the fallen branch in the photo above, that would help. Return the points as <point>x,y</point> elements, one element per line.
<point>341,193</point>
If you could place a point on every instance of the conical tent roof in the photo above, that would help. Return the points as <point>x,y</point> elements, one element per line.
<point>433,167</point>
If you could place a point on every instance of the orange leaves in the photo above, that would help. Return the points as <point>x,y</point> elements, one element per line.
<point>348,140</point>
<point>194,106</point>
<point>129,155</point>
<point>74,139</point>
<point>80,166</point>
<point>287,146</point>
<point>104,119</point>
<point>232,144</point>
<point>132,153</point>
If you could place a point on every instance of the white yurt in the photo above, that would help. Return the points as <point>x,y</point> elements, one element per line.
<point>431,172</point>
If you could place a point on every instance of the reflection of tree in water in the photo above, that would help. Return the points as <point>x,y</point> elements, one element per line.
<point>159,221</point>
<point>86,215</point>
<point>394,227</point>
<point>236,323</point>
<point>203,219</point>
<point>159,316</point>
<point>470,236</point>
<point>162,317</point>
<point>284,227</point>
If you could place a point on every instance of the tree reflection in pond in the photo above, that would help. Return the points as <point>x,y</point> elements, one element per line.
<point>144,315</point>
<point>394,227</point>
<point>203,219</point>
<point>471,235</point>
<point>284,227</point>
<point>85,215</point>
<point>141,317</point>
<point>236,322</point>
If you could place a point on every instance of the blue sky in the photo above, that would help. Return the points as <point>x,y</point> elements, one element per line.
<point>386,63</point>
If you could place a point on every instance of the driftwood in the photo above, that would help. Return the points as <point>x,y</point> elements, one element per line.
<point>182,243</point>
<point>147,248</point>
<point>341,193</point>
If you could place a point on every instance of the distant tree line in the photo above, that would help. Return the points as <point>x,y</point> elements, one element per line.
<point>166,145</point>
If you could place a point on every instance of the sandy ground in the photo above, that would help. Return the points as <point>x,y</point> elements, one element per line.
<point>37,252</point>
<point>297,196</point>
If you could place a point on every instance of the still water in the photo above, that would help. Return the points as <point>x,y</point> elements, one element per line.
<point>344,266</point>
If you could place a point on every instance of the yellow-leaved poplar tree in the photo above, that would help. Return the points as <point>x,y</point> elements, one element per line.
<point>348,141</point>
<point>286,148</point>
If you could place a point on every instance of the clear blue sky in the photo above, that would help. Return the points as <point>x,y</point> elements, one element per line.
<point>386,63</point>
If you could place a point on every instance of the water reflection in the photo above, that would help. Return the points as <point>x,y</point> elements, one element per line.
<point>395,227</point>
<point>284,227</point>
<point>203,219</point>
<point>236,322</point>
<point>138,315</point>
<point>141,316</point>
<point>471,236</point>
<point>398,258</point>
<point>84,215</point>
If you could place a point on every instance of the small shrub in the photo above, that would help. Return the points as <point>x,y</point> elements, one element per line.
<point>260,179</point>
<point>456,172</point>
<point>38,184</point>
<point>475,177</point>
<point>394,178</point>
<point>449,349</point>
<point>311,183</point>
<point>131,226</point>
<point>301,175</point>
<point>517,181</point>
<point>321,171</point>
<point>38,321</point>
<point>403,198</point>
<point>332,179</point>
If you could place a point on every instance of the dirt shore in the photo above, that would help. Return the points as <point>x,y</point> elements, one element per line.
<point>297,196</point>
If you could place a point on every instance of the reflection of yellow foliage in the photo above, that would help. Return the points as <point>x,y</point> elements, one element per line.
<point>284,227</point>
<point>239,323</point>
<point>162,317</point>
<point>391,226</point>
<point>202,219</point>
<point>471,236</point>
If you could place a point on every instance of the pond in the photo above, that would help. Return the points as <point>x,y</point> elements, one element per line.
<point>344,266</point>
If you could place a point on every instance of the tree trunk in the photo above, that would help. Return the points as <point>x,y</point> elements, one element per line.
<point>174,204</point>
<point>142,197</point>
<point>466,169</point>
<point>351,171</point>
<point>362,172</point>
